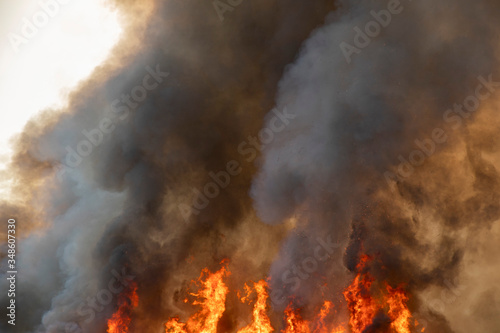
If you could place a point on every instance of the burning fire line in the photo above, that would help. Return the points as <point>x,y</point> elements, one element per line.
<point>363,307</point>
<point>212,298</point>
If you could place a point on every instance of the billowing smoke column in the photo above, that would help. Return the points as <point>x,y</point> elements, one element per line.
<point>393,147</point>
<point>102,187</point>
<point>381,142</point>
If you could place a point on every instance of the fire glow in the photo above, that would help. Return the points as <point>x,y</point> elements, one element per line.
<point>386,312</point>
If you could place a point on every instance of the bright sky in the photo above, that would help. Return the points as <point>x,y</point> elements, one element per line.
<point>65,50</point>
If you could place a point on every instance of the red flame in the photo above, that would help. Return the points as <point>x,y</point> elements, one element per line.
<point>127,301</point>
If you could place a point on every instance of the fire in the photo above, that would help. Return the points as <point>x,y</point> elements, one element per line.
<point>294,322</point>
<point>320,325</point>
<point>127,301</point>
<point>261,322</point>
<point>211,298</point>
<point>364,301</point>
<point>174,326</point>
<point>339,329</point>
<point>398,311</point>
<point>363,306</point>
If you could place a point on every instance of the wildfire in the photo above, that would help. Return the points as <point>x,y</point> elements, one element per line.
<point>212,297</point>
<point>363,302</point>
<point>127,301</point>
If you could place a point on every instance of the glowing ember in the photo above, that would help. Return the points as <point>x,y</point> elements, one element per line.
<point>127,301</point>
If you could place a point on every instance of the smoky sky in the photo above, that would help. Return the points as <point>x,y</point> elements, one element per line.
<point>324,175</point>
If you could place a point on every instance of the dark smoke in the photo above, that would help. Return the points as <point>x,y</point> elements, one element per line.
<point>118,209</point>
<point>324,175</point>
<point>335,168</point>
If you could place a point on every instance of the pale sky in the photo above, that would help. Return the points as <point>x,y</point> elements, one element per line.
<point>65,50</point>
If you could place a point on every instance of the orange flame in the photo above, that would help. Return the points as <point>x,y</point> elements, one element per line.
<point>320,325</point>
<point>294,322</point>
<point>127,301</point>
<point>174,326</point>
<point>363,306</point>
<point>211,298</point>
<point>398,310</point>
<point>261,322</point>
<point>339,329</point>
<point>360,302</point>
